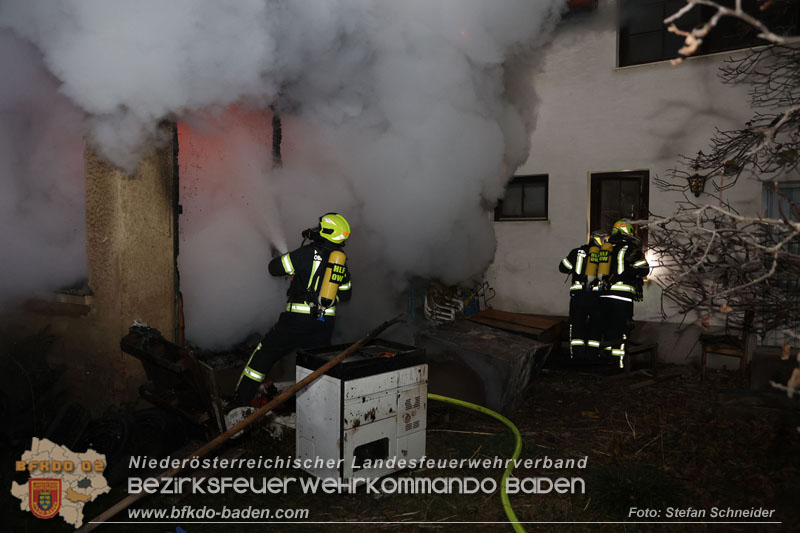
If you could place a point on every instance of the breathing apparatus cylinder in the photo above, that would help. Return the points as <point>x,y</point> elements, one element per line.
<point>604,260</point>
<point>591,267</point>
<point>331,279</point>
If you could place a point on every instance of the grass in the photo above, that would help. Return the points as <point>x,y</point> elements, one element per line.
<point>671,444</point>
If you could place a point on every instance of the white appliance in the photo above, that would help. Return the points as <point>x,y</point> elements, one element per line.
<point>365,414</point>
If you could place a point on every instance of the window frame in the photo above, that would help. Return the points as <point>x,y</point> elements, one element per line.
<point>527,179</point>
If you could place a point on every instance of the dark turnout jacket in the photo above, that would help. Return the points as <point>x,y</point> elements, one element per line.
<point>628,267</point>
<point>576,262</point>
<point>306,265</point>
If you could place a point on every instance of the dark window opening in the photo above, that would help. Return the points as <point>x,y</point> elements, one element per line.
<point>643,36</point>
<point>618,195</point>
<point>525,199</point>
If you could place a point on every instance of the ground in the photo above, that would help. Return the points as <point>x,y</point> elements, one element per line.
<point>672,441</point>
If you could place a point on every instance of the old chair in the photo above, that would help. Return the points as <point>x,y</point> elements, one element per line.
<point>731,343</point>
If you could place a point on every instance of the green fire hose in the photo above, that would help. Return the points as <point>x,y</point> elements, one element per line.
<point>512,518</point>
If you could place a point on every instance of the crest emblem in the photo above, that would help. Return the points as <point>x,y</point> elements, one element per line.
<point>44,497</point>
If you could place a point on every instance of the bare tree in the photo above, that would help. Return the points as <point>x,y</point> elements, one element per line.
<point>712,259</point>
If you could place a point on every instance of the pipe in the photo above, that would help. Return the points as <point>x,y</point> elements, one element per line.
<point>512,517</point>
<point>224,437</point>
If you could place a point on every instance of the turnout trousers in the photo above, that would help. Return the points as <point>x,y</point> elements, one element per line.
<point>617,312</point>
<point>292,331</point>
<point>584,323</point>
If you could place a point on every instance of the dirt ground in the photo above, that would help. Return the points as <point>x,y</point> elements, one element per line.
<point>653,440</point>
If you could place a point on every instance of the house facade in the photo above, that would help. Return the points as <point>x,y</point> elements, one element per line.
<point>613,115</point>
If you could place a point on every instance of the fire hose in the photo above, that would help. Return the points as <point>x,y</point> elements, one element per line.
<point>512,517</point>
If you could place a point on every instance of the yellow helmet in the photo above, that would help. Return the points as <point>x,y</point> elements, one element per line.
<point>622,226</point>
<point>334,227</point>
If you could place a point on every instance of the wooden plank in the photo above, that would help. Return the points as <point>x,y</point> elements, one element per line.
<point>511,326</point>
<point>537,327</point>
<point>521,319</point>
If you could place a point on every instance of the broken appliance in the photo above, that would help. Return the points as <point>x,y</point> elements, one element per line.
<point>365,414</point>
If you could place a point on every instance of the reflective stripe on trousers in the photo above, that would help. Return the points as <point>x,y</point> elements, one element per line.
<point>249,373</point>
<point>574,342</point>
<point>620,352</point>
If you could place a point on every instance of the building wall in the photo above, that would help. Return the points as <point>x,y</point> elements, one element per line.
<point>131,274</point>
<point>594,117</point>
<point>130,256</point>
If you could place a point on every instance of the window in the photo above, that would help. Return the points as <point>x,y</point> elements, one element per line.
<point>784,203</point>
<point>643,36</point>
<point>525,199</point>
<point>789,192</point>
<point>616,195</point>
<point>776,205</point>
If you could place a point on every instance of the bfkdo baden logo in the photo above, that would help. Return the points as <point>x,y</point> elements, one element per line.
<point>61,481</point>
<point>44,497</point>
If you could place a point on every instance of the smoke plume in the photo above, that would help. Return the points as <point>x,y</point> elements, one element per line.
<point>42,235</point>
<point>406,117</point>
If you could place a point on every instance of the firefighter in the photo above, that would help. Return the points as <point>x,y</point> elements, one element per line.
<point>623,285</point>
<point>316,269</point>
<point>581,263</point>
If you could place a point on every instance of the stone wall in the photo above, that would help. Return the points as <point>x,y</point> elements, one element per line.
<point>130,249</point>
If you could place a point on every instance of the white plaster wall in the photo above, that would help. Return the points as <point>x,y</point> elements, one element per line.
<point>595,117</point>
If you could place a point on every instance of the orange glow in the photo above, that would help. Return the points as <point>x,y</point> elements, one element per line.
<point>210,142</point>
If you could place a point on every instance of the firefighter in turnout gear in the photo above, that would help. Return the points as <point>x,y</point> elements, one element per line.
<point>319,279</point>
<point>584,319</point>
<point>623,286</point>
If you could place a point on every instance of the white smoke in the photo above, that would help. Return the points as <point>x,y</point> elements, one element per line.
<point>400,115</point>
<point>42,236</point>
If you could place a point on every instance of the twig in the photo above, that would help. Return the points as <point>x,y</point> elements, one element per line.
<point>633,430</point>
<point>651,441</point>
<point>476,452</point>
<point>694,37</point>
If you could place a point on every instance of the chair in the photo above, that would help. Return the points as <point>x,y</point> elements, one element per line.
<point>728,344</point>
